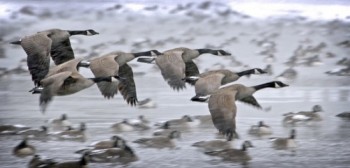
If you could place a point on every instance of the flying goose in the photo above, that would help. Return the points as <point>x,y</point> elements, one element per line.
<point>24,149</point>
<point>66,81</point>
<point>37,48</point>
<point>159,141</point>
<point>40,46</point>
<point>235,155</point>
<point>61,49</point>
<point>38,162</point>
<point>285,143</point>
<point>176,64</point>
<point>208,82</point>
<point>82,163</point>
<point>260,129</point>
<point>114,64</point>
<point>213,145</point>
<point>222,105</point>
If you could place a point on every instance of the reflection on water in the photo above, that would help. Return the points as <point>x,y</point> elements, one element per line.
<point>18,106</point>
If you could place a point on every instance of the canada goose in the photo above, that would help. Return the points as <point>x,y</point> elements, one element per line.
<point>223,109</point>
<point>123,126</point>
<point>260,129</point>
<point>67,82</point>
<point>106,143</point>
<point>184,122</point>
<point>344,115</point>
<point>35,133</point>
<point>114,64</point>
<point>40,46</point>
<point>141,120</point>
<point>285,143</point>
<point>37,48</point>
<point>24,149</point>
<point>82,163</point>
<point>213,145</point>
<point>114,142</point>
<point>61,50</point>
<point>176,64</point>
<point>12,129</point>
<point>165,130</point>
<point>159,141</point>
<point>71,66</point>
<point>313,115</point>
<point>294,118</point>
<point>59,123</point>
<point>235,155</point>
<point>120,152</point>
<point>38,162</point>
<point>72,134</point>
<point>208,82</point>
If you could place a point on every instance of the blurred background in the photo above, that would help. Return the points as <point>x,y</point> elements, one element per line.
<point>303,43</point>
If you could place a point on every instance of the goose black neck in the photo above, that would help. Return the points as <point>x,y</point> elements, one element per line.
<point>265,85</point>
<point>128,149</point>
<point>205,51</point>
<point>292,135</point>
<point>77,32</point>
<point>83,161</point>
<point>247,72</point>
<point>23,144</point>
<point>139,54</point>
<point>101,79</point>
<point>244,148</point>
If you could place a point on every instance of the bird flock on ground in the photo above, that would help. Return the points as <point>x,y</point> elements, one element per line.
<point>112,74</point>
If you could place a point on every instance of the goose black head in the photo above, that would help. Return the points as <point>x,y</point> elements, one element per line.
<point>259,71</point>
<point>292,134</point>
<point>248,144</point>
<point>91,32</point>
<point>317,108</point>
<point>174,134</point>
<point>187,118</point>
<point>44,128</point>
<point>84,64</point>
<point>222,53</point>
<point>64,117</point>
<point>155,53</point>
<point>278,84</point>
<point>82,126</point>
